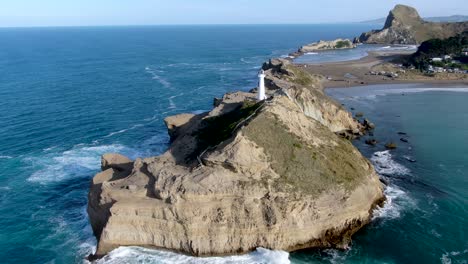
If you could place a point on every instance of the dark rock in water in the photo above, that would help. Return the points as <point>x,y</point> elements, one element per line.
<point>352,108</point>
<point>402,133</point>
<point>371,134</point>
<point>391,145</point>
<point>384,181</point>
<point>410,159</point>
<point>404,140</point>
<point>371,142</point>
<point>217,101</point>
<point>360,114</point>
<point>368,125</point>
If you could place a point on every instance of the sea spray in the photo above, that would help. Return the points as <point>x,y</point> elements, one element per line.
<point>397,199</point>
<point>80,161</point>
<point>143,255</point>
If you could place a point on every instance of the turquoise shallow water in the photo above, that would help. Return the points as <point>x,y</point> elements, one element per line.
<point>69,95</point>
<point>425,219</point>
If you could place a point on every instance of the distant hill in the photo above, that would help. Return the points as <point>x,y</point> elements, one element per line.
<point>404,26</point>
<point>454,18</point>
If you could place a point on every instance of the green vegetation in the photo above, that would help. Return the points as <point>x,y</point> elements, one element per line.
<point>219,128</point>
<point>342,44</point>
<point>311,170</point>
<point>438,48</point>
<point>300,77</point>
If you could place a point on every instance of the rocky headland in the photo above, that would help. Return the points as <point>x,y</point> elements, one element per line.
<point>327,45</point>
<point>248,174</point>
<point>405,26</point>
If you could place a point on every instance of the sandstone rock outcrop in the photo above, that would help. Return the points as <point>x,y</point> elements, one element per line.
<point>328,45</point>
<point>405,26</point>
<point>248,174</point>
<point>116,161</point>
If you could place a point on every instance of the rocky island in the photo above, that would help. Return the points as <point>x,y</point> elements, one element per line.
<point>328,45</point>
<point>273,173</point>
<point>405,26</point>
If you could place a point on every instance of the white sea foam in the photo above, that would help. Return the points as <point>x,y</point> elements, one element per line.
<point>83,240</point>
<point>124,130</point>
<point>447,257</point>
<point>142,255</point>
<point>157,77</point>
<point>433,89</point>
<point>336,256</point>
<point>312,53</point>
<point>80,161</point>
<point>384,164</point>
<point>385,91</point>
<point>172,105</point>
<point>6,157</point>
<point>397,199</point>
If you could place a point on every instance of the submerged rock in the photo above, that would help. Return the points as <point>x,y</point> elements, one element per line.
<point>391,145</point>
<point>371,142</point>
<point>368,125</point>
<point>248,174</point>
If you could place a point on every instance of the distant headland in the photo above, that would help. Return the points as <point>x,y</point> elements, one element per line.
<point>404,26</point>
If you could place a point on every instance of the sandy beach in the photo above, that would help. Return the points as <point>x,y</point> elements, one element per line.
<point>357,72</point>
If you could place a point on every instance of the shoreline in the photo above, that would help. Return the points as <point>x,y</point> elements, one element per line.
<point>352,73</point>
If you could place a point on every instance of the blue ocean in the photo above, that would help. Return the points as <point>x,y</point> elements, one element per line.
<point>69,95</point>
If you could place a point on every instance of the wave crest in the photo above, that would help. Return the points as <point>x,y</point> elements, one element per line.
<point>384,164</point>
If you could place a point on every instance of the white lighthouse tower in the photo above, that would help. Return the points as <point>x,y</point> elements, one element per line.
<point>261,86</point>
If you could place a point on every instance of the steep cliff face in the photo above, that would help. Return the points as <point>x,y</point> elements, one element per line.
<point>405,26</point>
<point>248,174</point>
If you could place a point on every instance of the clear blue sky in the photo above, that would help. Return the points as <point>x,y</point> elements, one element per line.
<point>150,12</point>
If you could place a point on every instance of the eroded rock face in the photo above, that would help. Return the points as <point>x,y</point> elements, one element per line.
<point>405,26</point>
<point>248,174</point>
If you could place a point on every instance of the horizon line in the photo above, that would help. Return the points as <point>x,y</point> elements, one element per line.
<point>201,24</point>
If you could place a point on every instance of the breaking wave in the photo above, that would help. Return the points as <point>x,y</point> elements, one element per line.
<point>385,165</point>
<point>80,161</point>
<point>449,256</point>
<point>397,199</point>
<point>142,255</point>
